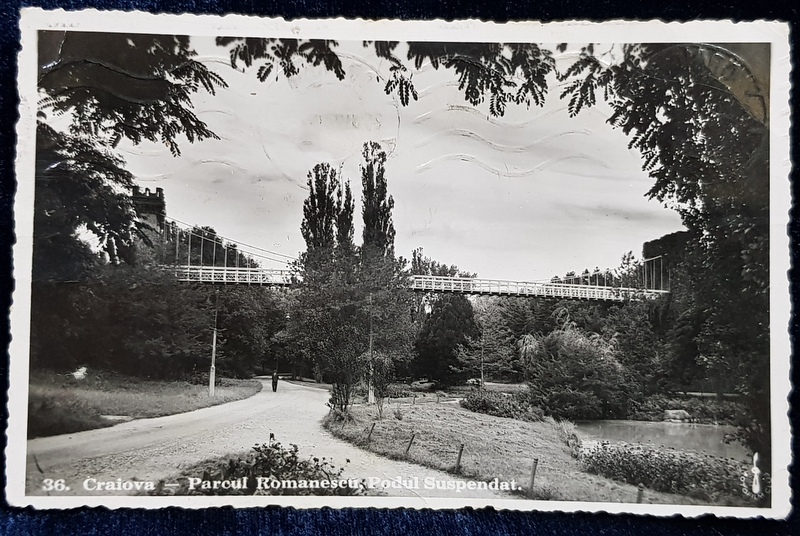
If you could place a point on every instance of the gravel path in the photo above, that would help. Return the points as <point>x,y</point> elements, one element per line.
<point>154,449</point>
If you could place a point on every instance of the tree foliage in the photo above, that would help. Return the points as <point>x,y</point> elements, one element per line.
<point>328,324</point>
<point>280,55</point>
<point>116,85</point>
<point>134,318</point>
<point>100,88</point>
<point>492,354</point>
<point>345,295</point>
<point>376,207</point>
<point>574,374</point>
<point>449,325</point>
<point>80,187</point>
<point>502,73</point>
<point>321,211</point>
<point>249,321</point>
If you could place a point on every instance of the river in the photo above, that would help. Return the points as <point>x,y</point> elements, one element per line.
<point>683,436</point>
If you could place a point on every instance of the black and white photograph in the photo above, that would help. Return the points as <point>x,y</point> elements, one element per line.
<point>351,263</point>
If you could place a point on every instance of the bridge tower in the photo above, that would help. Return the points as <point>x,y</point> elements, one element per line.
<point>150,207</point>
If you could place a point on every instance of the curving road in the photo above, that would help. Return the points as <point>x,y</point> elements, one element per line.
<point>155,449</point>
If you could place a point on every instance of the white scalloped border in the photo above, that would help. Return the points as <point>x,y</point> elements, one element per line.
<point>776,33</point>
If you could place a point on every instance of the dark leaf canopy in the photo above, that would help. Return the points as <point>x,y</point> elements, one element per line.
<point>79,186</point>
<point>282,53</point>
<point>125,85</point>
<point>502,73</point>
<point>698,127</point>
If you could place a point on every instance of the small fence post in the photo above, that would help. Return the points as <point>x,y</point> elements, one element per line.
<point>413,434</point>
<point>533,476</point>
<point>369,435</point>
<point>458,460</point>
<point>640,494</point>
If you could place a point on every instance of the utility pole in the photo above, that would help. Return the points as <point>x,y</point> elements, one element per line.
<point>371,389</point>
<point>212,380</point>
<point>483,379</point>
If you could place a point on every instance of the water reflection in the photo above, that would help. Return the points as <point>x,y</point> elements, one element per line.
<point>683,436</point>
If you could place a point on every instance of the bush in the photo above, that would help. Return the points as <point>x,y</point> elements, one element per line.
<point>574,405</point>
<point>273,463</point>
<point>673,471</point>
<point>575,374</point>
<point>502,405</point>
<point>399,391</point>
<point>57,413</point>
<point>339,417</point>
<point>568,435</point>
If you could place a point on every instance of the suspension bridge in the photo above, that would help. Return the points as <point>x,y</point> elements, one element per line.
<point>199,255</point>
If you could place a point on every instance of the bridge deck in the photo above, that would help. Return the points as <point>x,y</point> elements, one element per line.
<point>233,276</point>
<point>421,283</point>
<point>500,287</point>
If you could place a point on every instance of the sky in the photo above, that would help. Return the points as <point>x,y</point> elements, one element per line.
<point>529,195</point>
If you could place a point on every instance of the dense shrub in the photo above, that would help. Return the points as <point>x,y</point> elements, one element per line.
<point>673,471</point>
<point>568,435</point>
<point>575,374</point>
<point>274,463</point>
<point>707,411</point>
<point>54,413</point>
<point>574,405</point>
<point>502,405</point>
<point>399,391</point>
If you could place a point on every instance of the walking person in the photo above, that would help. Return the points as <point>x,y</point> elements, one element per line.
<point>275,381</point>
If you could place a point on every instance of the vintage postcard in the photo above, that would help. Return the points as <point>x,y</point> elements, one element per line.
<point>401,264</point>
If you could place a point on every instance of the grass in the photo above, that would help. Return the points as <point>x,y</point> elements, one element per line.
<point>494,447</point>
<point>59,404</point>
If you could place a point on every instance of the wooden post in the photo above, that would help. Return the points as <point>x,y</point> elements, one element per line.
<point>640,494</point>
<point>458,460</point>
<point>413,434</point>
<point>369,435</point>
<point>370,388</point>
<point>533,476</point>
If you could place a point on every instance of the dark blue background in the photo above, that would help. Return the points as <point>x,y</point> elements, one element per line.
<point>101,521</point>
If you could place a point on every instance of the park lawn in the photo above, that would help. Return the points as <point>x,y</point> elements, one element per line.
<point>59,404</point>
<point>494,447</point>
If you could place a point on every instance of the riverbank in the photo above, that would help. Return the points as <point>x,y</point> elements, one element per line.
<point>61,404</point>
<point>494,447</point>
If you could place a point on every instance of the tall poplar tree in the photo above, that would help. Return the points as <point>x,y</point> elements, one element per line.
<point>377,205</point>
<point>319,209</point>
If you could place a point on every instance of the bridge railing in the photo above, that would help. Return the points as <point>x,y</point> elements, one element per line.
<point>464,285</point>
<point>424,283</point>
<point>230,275</point>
